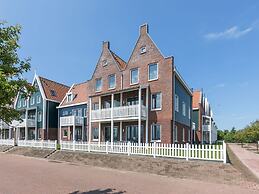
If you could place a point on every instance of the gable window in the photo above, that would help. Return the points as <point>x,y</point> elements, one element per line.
<point>105,62</point>
<point>53,93</point>
<point>39,118</point>
<point>32,100</point>
<point>69,97</point>
<point>98,85</point>
<point>184,109</point>
<point>19,103</point>
<point>134,76</point>
<point>175,133</point>
<point>95,133</point>
<point>183,134</point>
<point>152,72</point>
<point>112,81</point>
<point>176,103</point>
<point>38,99</point>
<point>156,132</point>
<point>143,49</point>
<point>24,103</point>
<point>156,101</point>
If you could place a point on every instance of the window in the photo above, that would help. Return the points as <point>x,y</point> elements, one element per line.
<point>176,103</point>
<point>175,133</point>
<point>98,85</point>
<point>184,109</point>
<point>189,112</point>
<point>156,132</point>
<point>19,103</point>
<point>183,134</point>
<point>95,106</point>
<point>38,99</point>
<point>32,100</point>
<point>69,97</point>
<point>65,133</point>
<point>53,93</point>
<point>85,112</point>
<point>95,133</point>
<point>79,112</point>
<point>65,113</point>
<point>105,62</point>
<point>134,76</point>
<point>156,101</point>
<point>39,118</point>
<point>24,103</point>
<point>143,49</point>
<point>189,135</point>
<point>112,81</point>
<point>74,112</point>
<point>152,72</point>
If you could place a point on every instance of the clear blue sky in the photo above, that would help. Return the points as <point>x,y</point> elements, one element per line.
<point>215,44</point>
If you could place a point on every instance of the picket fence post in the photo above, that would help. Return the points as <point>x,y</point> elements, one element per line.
<point>224,152</point>
<point>187,151</point>
<point>154,149</point>
<point>128,148</point>
<point>106,147</point>
<point>55,144</point>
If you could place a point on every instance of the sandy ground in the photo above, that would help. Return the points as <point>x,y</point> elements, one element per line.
<point>31,152</point>
<point>21,174</point>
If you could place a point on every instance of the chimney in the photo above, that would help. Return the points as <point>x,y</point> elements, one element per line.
<point>106,45</point>
<point>143,29</point>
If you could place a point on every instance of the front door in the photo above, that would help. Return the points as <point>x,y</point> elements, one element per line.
<point>107,133</point>
<point>132,133</point>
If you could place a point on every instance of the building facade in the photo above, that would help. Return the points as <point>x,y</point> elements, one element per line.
<point>39,116</point>
<point>205,127</point>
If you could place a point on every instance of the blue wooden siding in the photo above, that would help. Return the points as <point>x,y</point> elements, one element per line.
<point>185,97</point>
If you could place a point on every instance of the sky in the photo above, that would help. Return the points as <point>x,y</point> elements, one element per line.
<point>215,44</point>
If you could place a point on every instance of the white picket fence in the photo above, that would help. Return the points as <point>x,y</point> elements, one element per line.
<point>38,143</point>
<point>7,142</point>
<point>186,151</point>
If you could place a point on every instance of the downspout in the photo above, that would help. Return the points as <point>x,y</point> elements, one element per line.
<point>174,105</point>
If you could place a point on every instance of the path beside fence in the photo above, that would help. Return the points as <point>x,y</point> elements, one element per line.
<point>185,151</point>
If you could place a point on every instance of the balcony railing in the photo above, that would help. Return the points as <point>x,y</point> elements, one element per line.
<point>71,120</point>
<point>30,123</point>
<point>206,127</point>
<point>122,112</point>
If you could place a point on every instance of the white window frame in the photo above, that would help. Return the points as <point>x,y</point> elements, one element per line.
<point>24,102</point>
<point>39,116</point>
<point>131,77</point>
<point>114,81</point>
<point>184,108</point>
<point>71,95</point>
<point>19,103</point>
<point>183,134</point>
<point>155,109</point>
<point>176,103</point>
<point>38,99</point>
<point>32,100</point>
<point>96,85</point>
<point>175,133</point>
<point>93,134</point>
<point>152,127</point>
<point>143,49</point>
<point>149,73</point>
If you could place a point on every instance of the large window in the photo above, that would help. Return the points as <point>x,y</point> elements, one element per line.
<point>39,118</point>
<point>38,99</point>
<point>184,108</point>
<point>132,133</point>
<point>98,85</point>
<point>134,76</point>
<point>156,101</point>
<point>175,133</point>
<point>112,81</point>
<point>95,133</point>
<point>156,132</point>
<point>152,72</point>
<point>176,103</point>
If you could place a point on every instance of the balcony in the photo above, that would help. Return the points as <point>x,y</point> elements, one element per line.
<point>206,127</point>
<point>119,113</point>
<point>71,120</point>
<point>21,124</point>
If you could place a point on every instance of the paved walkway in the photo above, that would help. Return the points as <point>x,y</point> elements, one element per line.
<point>19,174</point>
<point>248,158</point>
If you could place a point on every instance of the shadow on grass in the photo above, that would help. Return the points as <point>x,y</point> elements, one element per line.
<point>100,191</point>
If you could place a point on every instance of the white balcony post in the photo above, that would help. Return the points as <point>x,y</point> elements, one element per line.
<point>99,135</point>
<point>83,129</point>
<point>139,115</point>
<point>120,130</point>
<point>74,131</point>
<point>26,125</point>
<point>112,101</point>
<point>10,133</point>
<point>147,103</point>
<point>90,122</point>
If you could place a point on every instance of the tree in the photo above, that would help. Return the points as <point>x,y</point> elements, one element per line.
<point>11,70</point>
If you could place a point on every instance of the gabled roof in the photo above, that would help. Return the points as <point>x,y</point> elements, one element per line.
<point>196,99</point>
<point>122,64</point>
<point>79,92</point>
<point>53,90</point>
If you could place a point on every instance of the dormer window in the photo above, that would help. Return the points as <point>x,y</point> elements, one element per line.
<point>53,93</point>
<point>105,62</point>
<point>143,49</point>
<point>69,97</point>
